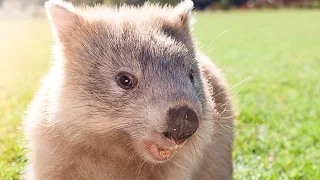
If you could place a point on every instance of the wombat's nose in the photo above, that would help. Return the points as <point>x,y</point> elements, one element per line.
<point>182,123</point>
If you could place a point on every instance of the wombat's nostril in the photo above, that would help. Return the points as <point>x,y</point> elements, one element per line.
<point>182,123</point>
<point>166,135</point>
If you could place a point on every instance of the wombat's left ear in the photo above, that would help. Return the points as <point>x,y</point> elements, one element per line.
<point>183,13</point>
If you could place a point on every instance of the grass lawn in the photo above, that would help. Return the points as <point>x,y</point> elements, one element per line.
<point>278,126</point>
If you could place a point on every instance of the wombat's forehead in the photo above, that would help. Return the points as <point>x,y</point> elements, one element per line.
<point>139,43</point>
<point>127,41</point>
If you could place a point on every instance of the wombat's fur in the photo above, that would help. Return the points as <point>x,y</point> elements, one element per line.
<point>83,125</point>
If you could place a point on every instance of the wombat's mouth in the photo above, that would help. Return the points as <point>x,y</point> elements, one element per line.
<point>159,153</point>
<point>157,148</point>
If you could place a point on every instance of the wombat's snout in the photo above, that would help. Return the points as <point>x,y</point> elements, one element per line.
<point>182,123</point>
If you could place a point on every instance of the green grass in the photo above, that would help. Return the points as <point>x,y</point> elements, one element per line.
<point>278,127</point>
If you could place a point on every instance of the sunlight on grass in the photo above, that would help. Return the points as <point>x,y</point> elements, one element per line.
<point>278,107</point>
<point>24,57</point>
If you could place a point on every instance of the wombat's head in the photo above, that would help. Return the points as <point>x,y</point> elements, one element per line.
<point>130,71</point>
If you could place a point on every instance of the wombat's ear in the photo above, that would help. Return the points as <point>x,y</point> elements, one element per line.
<point>183,13</point>
<point>62,17</point>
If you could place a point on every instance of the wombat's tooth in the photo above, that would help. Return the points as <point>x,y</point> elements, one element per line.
<point>165,153</point>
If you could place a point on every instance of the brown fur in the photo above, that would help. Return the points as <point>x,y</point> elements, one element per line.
<point>81,125</point>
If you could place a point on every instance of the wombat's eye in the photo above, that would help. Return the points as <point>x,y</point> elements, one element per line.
<point>191,77</point>
<point>126,80</point>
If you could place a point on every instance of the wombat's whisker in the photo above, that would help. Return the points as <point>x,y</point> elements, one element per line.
<point>200,137</point>
<point>227,117</point>
<point>69,108</point>
<point>98,97</point>
<point>235,128</point>
<point>232,87</point>
<point>206,130</point>
<point>192,151</point>
<point>224,104</point>
<point>201,46</point>
<point>95,94</point>
<point>147,166</point>
<point>217,37</point>
<point>85,92</point>
<point>240,89</point>
<point>229,140</point>
<point>139,169</point>
<point>208,47</point>
<point>228,129</point>
<point>80,116</point>
<point>224,110</point>
<point>134,155</point>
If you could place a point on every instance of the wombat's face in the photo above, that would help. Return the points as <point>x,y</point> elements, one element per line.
<point>135,72</point>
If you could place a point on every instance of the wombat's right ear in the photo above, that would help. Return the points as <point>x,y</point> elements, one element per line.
<point>183,13</point>
<point>62,17</point>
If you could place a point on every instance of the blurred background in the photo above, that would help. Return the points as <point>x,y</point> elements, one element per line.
<point>12,7</point>
<point>269,51</point>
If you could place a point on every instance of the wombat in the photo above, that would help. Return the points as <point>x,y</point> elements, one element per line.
<point>128,96</point>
